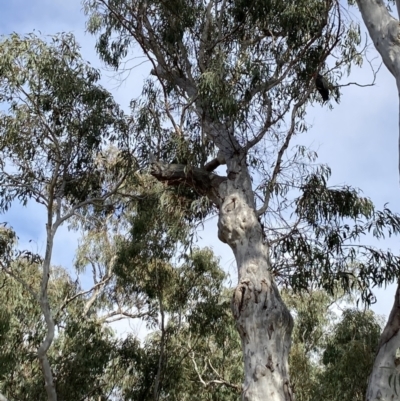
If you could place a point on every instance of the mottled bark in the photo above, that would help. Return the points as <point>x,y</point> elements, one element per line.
<point>262,319</point>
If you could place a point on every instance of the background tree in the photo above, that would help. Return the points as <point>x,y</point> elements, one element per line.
<point>230,87</point>
<point>81,350</point>
<point>348,357</point>
<point>87,361</point>
<point>332,353</point>
<point>55,149</point>
<point>177,297</point>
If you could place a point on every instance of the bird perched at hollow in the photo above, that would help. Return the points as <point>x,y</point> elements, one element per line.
<point>322,86</point>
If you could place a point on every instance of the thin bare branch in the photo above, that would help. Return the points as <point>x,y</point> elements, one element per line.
<point>219,381</point>
<point>278,163</point>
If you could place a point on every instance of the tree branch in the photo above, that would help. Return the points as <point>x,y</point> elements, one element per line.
<point>219,381</point>
<point>277,168</point>
<point>213,164</point>
<point>158,378</point>
<point>202,181</point>
<point>383,30</point>
<point>119,315</point>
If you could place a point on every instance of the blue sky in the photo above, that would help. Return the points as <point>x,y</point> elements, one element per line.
<point>358,139</point>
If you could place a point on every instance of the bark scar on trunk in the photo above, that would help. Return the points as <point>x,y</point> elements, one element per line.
<point>270,330</point>
<point>239,298</point>
<point>287,390</point>
<point>270,364</point>
<point>259,371</point>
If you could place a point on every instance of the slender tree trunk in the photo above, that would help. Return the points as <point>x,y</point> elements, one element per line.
<point>157,383</point>
<point>44,301</point>
<point>262,319</point>
<point>45,307</point>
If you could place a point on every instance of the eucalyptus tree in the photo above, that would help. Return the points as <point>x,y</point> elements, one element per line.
<point>192,351</point>
<point>189,312</point>
<point>81,352</point>
<point>229,84</point>
<point>384,30</point>
<point>332,353</point>
<point>64,144</point>
<point>158,278</point>
<point>86,360</point>
<point>348,357</point>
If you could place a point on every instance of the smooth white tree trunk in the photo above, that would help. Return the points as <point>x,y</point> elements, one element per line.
<point>384,382</point>
<point>46,310</point>
<point>384,29</point>
<point>263,321</point>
